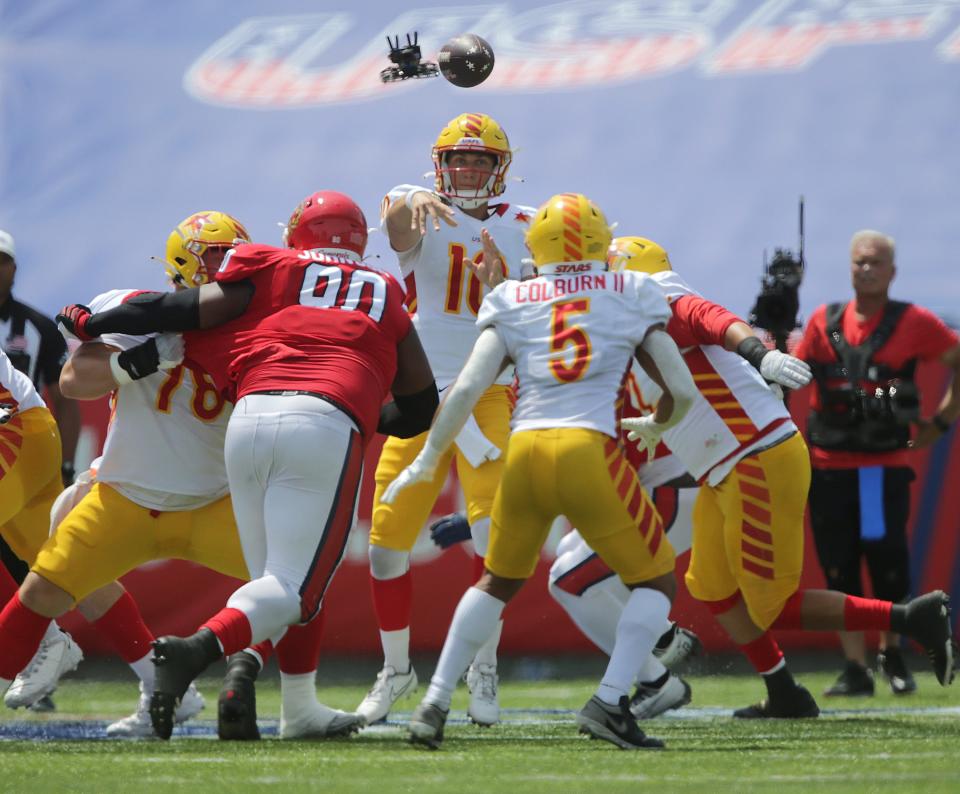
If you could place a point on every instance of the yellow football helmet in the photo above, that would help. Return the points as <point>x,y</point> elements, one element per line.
<point>639,254</point>
<point>568,228</point>
<point>480,134</point>
<point>187,244</point>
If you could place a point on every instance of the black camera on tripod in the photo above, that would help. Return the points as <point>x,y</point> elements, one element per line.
<point>778,303</point>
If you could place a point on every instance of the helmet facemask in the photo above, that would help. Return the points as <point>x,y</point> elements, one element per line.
<point>448,178</point>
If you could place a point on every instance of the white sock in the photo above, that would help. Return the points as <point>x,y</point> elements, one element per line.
<point>652,669</point>
<point>297,692</point>
<point>474,621</point>
<point>396,649</point>
<point>488,651</point>
<point>145,671</point>
<point>637,633</point>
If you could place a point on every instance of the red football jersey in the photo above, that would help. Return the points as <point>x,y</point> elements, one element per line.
<point>316,323</point>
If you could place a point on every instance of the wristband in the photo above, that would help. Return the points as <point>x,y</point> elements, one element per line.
<point>408,198</point>
<point>940,423</point>
<point>753,350</point>
<point>120,375</point>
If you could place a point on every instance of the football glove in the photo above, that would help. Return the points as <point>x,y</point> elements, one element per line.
<point>450,530</point>
<point>785,369</point>
<point>645,431</point>
<point>422,469</point>
<point>7,412</point>
<point>72,321</point>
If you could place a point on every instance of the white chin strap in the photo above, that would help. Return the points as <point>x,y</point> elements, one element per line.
<point>469,203</point>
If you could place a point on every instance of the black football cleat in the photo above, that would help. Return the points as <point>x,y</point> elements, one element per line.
<point>237,704</point>
<point>178,661</point>
<point>928,622</point>
<point>614,724</point>
<point>426,725</point>
<point>891,666</point>
<point>855,681</point>
<point>793,704</point>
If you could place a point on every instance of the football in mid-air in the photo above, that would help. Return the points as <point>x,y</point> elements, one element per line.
<point>466,60</point>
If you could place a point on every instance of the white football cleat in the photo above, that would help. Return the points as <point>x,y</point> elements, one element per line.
<point>649,701</point>
<point>55,657</point>
<point>317,721</point>
<point>676,646</point>
<point>482,682</point>
<point>390,686</point>
<point>138,725</point>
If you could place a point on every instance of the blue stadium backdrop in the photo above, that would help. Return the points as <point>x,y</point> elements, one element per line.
<point>698,123</point>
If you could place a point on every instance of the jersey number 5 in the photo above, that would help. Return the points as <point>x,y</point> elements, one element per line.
<point>565,333</point>
<point>329,287</point>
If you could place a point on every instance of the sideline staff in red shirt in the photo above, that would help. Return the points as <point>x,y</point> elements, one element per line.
<point>863,354</point>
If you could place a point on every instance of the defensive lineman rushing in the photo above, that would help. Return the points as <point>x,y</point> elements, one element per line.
<point>310,341</point>
<point>572,333</point>
<point>739,442</point>
<point>439,235</point>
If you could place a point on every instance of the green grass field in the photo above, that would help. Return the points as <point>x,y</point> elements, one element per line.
<point>880,744</point>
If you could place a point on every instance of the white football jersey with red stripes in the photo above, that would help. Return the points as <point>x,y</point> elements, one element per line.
<point>572,334</point>
<point>443,294</point>
<point>164,445</point>
<point>16,389</point>
<point>734,410</point>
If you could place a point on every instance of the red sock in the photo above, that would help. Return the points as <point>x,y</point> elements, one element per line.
<point>298,651</point>
<point>21,630</point>
<point>790,617</point>
<point>264,650</point>
<point>392,601</point>
<point>764,653</point>
<point>232,628</point>
<point>123,625</point>
<point>8,585</point>
<point>862,614</point>
<point>478,568</point>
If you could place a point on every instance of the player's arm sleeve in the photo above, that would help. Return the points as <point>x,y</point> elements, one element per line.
<point>670,372</point>
<point>186,310</point>
<point>487,360</point>
<point>703,321</point>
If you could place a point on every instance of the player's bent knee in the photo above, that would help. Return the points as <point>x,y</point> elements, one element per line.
<point>665,583</point>
<point>388,563</point>
<point>45,598</point>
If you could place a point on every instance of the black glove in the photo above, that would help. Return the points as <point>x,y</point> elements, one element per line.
<point>450,530</point>
<point>72,320</point>
<point>67,473</point>
<point>141,360</point>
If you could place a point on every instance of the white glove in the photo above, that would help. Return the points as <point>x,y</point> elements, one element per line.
<point>644,430</point>
<point>785,369</point>
<point>423,468</point>
<point>7,412</point>
<point>170,350</point>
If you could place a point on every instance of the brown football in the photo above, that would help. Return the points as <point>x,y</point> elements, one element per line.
<point>466,60</point>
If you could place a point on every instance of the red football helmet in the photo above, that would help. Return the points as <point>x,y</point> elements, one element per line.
<point>328,220</point>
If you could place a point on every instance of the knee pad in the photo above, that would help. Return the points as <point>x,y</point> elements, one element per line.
<point>388,563</point>
<point>480,532</point>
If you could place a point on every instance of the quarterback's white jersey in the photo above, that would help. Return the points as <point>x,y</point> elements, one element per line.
<point>16,389</point>
<point>164,446</point>
<point>572,333</point>
<point>734,411</point>
<point>444,293</point>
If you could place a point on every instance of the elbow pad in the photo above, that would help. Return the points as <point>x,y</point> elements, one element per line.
<point>149,312</point>
<point>409,415</point>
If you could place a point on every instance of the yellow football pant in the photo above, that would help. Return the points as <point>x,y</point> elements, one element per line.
<point>30,481</point>
<point>583,475</point>
<point>397,526</point>
<point>748,531</point>
<point>106,535</point>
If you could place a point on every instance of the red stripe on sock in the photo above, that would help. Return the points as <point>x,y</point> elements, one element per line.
<point>232,629</point>
<point>392,601</point>
<point>764,653</point>
<point>21,630</point>
<point>123,625</point>
<point>861,614</point>
<point>299,650</point>
<point>723,605</point>
<point>790,617</point>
